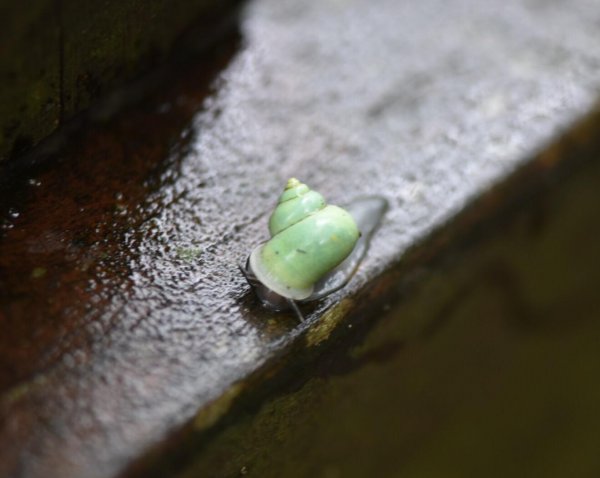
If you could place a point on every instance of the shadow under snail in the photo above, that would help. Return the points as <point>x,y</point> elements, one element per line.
<point>314,249</point>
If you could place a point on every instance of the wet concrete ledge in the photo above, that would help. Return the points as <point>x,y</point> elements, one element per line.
<point>131,345</point>
<point>476,355</point>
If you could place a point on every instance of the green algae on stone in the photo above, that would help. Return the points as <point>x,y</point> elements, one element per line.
<point>38,272</point>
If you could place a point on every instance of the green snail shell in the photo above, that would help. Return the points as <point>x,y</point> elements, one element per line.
<point>309,239</point>
<point>367,212</point>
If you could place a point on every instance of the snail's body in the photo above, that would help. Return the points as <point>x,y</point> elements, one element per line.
<point>314,249</point>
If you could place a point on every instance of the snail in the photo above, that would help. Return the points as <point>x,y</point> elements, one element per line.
<point>314,249</point>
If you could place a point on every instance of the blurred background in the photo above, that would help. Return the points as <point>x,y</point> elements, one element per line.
<point>143,146</point>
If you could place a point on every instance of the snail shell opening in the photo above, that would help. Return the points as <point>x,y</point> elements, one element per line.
<point>269,280</point>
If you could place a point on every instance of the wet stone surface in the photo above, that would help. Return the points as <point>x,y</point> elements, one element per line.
<point>122,309</point>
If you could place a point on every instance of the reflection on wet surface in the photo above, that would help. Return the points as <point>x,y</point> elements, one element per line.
<point>73,227</point>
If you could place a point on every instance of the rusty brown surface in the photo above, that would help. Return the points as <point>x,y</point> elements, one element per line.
<point>124,316</point>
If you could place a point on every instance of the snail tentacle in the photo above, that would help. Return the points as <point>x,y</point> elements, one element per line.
<point>296,309</point>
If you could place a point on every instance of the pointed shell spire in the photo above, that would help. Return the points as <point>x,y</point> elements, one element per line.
<point>295,203</point>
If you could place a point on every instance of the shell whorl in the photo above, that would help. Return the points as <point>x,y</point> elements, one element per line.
<point>308,239</point>
<point>296,202</point>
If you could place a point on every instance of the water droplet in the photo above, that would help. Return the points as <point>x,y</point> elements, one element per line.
<point>34,182</point>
